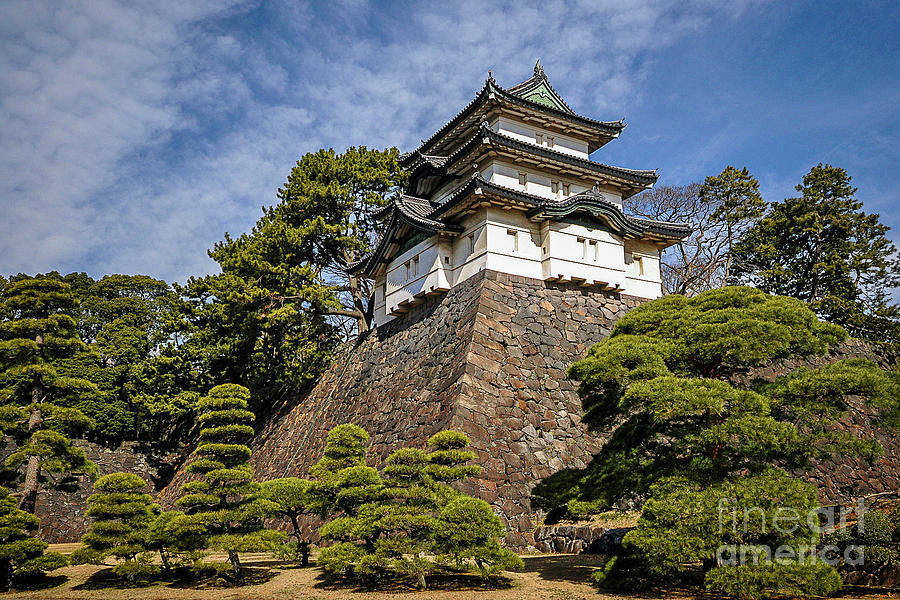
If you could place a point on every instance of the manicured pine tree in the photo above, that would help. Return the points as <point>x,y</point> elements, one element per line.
<point>223,500</point>
<point>343,487</point>
<point>467,529</point>
<point>162,536</point>
<point>345,447</point>
<point>122,514</point>
<point>22,555</point>
<point>690,434</point>
<point>386,524</point>
<point>292,497</point>
<point>36,330</point>
<point>405,518</point>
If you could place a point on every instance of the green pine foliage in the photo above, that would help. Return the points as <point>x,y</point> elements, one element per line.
<point>36,332</point>
<point>122,514</point>
<point>875,539</point>
<point>162,536</point>
<point>223,510</point>
<point>738,204</point>
<point>754,582</point>
<point>466,530</point>
<point>21,555</point>
<point>386,525</point>
<point>283,301</point>
<point>133,325</point>
<point>292,498</point>
<point>695,442</point>
<point>822,248</point>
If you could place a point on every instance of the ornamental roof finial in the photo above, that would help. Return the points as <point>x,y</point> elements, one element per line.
<point>538,69</point>
<point>491,77</point>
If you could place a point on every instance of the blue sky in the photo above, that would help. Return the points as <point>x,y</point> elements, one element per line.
<point>135,134</point>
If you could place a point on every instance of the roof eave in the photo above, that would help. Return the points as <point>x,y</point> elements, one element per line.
<point>491,91</point>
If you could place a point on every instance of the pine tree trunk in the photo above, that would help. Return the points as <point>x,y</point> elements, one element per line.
<point>304,554</point>
<point>730,253</point>
<point>236,566</point>
<point>33,470</point>
<point>164,557</point>
<point>6,574</point>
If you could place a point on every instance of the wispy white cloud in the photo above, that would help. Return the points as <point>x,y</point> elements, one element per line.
<point>134,136</point>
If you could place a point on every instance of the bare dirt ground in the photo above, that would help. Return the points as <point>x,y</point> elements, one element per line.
<point>546,577</point>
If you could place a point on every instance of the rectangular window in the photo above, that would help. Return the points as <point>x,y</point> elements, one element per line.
<point>544,249</point>
<point>471,244</point>
<point>595,251</point>
<point>639,263</point>
<point>584,249</point>
<point>539,138</point>
<point>513,239</point>
<point>406,272</point>
<point>447,260</point>
<point>554,187</point>
<point>523,179</point>
<point>549,142</point>
<point>415,266</point>
<point>566,189</point>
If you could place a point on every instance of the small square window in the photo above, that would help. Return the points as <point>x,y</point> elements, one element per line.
<point>539,138</point>
<point>549,142</point>
<point>523,179</point>
<point>514,239</point>
<point>447,260</point>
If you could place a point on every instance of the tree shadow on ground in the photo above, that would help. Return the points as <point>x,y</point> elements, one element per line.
<point>44,582</point>
<point>105,579</point>
<point>178,579</point>
<point>442,580</point>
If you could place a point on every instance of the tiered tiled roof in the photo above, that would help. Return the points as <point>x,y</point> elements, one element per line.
<point>468,139</point>
<point>486,140</point>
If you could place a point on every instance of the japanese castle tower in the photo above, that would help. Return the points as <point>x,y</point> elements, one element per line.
<point>507,185</point>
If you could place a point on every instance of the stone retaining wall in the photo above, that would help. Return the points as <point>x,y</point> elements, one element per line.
<point>62,510</point>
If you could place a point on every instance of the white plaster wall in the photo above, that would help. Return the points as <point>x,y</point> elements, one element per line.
<point>594,256</point>
<point>537,183</point>
<point>466,261</point>
<point>526,132</point>
<point>506,241</point>
<point>429,276</point>
<point>649,283</point>
<point>514,243</point>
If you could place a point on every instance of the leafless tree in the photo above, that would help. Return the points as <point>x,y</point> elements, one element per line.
<point>697,263</point>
